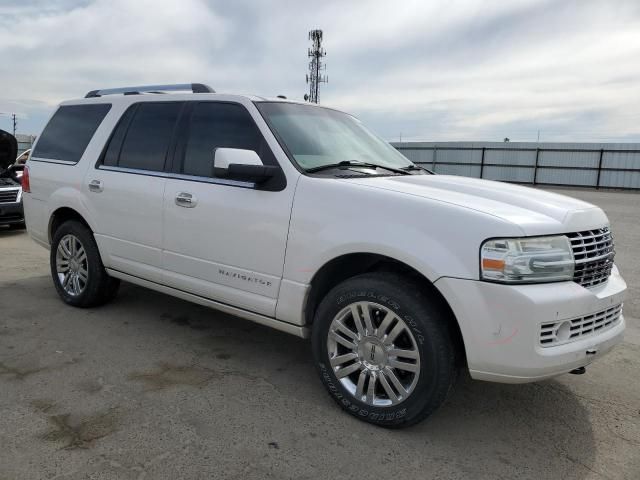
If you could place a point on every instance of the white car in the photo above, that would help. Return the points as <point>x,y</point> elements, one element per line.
<point>297,217</point>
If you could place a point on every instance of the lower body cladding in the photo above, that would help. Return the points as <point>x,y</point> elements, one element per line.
<point>524,333</point>
<point>11,213</point>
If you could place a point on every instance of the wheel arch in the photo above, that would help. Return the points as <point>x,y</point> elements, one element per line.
<point>349,265</point>
<point>61,215</point>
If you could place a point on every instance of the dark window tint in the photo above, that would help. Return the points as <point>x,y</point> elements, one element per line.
<point>147,139</point>
<point>115,143</point>
<point>219,125</point>
<point>69,131</point>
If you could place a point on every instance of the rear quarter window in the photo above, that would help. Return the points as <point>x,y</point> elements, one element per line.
<point>69,131</point>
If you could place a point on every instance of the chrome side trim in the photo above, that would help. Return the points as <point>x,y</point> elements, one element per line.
<point>179,176</point>
<point>301,332</point>
<point>150,173</point>
<point>217,181</point>
<point>51,160</point>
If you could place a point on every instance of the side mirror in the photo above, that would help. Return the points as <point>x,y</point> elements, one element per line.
<point>239,164</point>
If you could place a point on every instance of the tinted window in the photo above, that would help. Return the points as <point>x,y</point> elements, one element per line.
<point>115,143</point>
<point>69,131</point>
<point>219,125</point>
<point>147,139</point>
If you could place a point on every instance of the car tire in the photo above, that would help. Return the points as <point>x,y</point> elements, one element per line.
<point>404,348</point>
<point>76,267</point>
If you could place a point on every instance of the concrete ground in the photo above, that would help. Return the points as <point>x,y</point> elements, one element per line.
<point>153,387</point>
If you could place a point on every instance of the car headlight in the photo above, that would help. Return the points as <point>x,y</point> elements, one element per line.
<point>527,260</point>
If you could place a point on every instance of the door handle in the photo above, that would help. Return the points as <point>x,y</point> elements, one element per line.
<point>96,186</point>
<point>184,199</point>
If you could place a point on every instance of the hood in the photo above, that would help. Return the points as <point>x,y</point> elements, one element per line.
<point>8,149</point>
<point>536,212</point>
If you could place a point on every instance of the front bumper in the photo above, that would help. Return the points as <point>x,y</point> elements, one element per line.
<point>11,213</point>
<point>501,324</point>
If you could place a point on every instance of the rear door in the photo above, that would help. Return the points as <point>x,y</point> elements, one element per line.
<point>126,189</point>
<point>228,243</point>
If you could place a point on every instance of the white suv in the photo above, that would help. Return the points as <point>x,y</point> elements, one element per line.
<point>297,217</point>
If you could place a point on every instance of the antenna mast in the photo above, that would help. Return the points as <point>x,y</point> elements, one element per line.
<point>315,76</point>
<point>14,120</point>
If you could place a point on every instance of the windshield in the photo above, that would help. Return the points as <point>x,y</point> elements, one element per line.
<point>316,137</point>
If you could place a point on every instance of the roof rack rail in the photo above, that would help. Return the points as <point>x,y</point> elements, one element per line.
<point>194,87</point>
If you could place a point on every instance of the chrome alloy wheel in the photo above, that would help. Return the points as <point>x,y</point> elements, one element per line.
<point>71,265</point>
<point>373,354</point>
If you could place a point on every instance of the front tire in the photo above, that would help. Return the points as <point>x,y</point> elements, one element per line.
<point>76,267</point>
<point>384,350</point>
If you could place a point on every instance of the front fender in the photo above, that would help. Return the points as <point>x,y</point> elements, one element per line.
<point>331,218</point>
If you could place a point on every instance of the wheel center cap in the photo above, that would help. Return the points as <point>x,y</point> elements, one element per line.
<point>372,353</point>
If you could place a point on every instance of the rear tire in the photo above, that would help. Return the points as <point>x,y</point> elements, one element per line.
<point>384,349</point>
<point>76,267</point>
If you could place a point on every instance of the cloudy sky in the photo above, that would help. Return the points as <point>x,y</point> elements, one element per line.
<point>425,69</point>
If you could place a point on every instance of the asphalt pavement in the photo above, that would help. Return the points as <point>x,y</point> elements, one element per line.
<point>153,387</point>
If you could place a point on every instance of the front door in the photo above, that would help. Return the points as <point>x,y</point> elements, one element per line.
<point>224,240</point>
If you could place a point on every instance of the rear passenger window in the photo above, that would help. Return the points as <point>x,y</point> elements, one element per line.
<point>147,140</point>
<point>69,131</point>
<point>113,149</point>
<point>217,125</point>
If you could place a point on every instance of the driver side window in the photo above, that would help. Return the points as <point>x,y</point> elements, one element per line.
<point>218,125</point>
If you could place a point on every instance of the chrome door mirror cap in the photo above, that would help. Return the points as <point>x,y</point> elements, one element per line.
<point>223,157</point>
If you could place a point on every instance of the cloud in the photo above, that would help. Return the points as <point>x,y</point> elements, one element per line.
<point>64,52</point>
<point>436,70</point>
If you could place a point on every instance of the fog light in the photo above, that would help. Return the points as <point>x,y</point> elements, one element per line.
<point>564,331</point>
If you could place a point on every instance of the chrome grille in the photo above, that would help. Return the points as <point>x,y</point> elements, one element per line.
<point>565,331</point>
<point>593,252</point>
<point>9,195</point>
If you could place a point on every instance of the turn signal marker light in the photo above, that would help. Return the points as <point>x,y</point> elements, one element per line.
<point>493,264</point>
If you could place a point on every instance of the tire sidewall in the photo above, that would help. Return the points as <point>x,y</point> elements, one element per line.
<point>429,340</point>
<point>94,263</point>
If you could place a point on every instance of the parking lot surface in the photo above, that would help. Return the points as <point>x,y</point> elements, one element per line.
<point>153,387</point>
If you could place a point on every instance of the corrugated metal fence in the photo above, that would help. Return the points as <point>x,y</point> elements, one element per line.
<point>25,142</point>
<point>611,165</point>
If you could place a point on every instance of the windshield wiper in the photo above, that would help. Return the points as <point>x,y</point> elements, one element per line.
<point>412,168</point>
<point>354,163</point>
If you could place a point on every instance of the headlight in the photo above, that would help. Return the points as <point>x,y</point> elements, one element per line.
<point>527,260</point>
